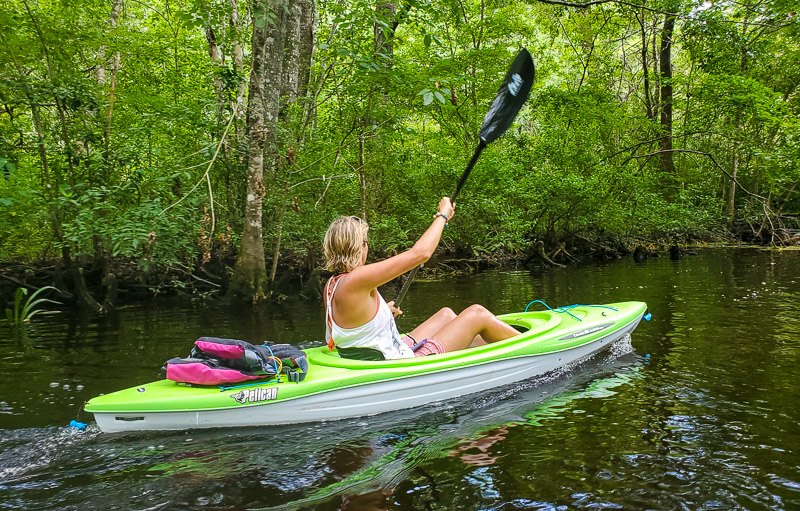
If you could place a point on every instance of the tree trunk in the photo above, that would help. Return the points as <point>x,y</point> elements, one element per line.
<point>113,18</point>
<point>238,108</point>
<point>647,101</point>
<point>298,52</point>
<point>362,176</point>
<point>291,57</point>
<point>219,61</point>
<point>665,58</point>
<point>386,15</point>
<point>250,275</point>
<point>48,187</point>
<point>737,127</point>
<point>238,57</point>
<point>656,97</point>
<point>308,30</point>
<point>69,151</point>
<point>116,7</point>
<point>686,114</point>
<point>732,189</point>
<point>384,32</point>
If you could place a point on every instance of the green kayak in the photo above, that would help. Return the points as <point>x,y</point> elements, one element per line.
<point>338,388</point>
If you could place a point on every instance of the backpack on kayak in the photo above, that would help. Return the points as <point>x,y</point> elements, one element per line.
<point>215,361</point>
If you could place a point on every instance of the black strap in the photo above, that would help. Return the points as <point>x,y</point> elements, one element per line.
<point>368,354</point>
<point>295,376</point>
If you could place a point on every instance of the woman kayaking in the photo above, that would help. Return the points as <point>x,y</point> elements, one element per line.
<point>357,316</point>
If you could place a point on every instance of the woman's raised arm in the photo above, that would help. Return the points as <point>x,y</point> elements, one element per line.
<point>370,276</point>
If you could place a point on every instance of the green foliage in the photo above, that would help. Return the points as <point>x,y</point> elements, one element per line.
<point>138,231</point>
<point>394,124</point>
<point>24,312</point>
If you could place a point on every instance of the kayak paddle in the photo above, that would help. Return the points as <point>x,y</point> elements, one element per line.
<point>505,107</point>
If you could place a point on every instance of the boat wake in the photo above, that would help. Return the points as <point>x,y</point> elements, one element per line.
<point>25,450</point>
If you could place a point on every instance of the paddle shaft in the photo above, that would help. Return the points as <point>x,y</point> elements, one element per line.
<point>466,172</point>
<point>407,284</point>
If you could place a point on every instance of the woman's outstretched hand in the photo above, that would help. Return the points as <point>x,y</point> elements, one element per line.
<point>395,311</point>
<point>447,208</point>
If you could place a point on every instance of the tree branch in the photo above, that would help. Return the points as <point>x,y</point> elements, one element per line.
<point>205,175</point>
<point>713,160</point>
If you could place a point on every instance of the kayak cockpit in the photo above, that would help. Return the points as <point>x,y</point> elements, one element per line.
<point>529,324</point>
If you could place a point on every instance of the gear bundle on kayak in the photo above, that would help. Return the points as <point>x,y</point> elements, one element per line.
<point>216,361</point>
<point>338,388</point>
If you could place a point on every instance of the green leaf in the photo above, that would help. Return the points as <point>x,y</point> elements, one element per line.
<point>439,97</point>
<point>427,41</point>
<point>259,16</point>
<point>29,310</point>
<point>427,99</point>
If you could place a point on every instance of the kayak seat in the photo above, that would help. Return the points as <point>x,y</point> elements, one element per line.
<point>369,354</point>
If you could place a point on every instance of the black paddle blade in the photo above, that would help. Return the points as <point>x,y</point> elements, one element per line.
<point>510,97</point>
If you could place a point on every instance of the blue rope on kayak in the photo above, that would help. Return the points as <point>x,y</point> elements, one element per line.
<point>559,310</point>
<point>566,309</point>
<point>580,305</point>
<point>276,380</point>
<point>253,384</point>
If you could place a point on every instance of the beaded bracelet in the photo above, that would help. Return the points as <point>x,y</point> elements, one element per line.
<point>446,219</point>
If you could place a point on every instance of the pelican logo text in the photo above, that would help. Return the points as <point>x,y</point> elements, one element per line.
<point>586,332</point>
<point>255,395</point>
<point>514,84</point>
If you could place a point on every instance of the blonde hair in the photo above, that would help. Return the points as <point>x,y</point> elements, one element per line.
<point>343,242</point>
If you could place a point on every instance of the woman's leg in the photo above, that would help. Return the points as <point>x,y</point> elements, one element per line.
<point>477,341</point>
<point>433,324</point>
<point>474,321</point>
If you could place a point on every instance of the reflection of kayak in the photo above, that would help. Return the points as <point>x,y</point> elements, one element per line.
<point>337,388</point>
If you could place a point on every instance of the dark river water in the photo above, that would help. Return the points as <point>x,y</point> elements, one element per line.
<point>699,409</point>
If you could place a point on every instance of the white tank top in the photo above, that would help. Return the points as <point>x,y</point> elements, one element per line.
<point>379,333</point>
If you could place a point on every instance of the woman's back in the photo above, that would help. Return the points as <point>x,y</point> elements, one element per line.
<point>379,332</point>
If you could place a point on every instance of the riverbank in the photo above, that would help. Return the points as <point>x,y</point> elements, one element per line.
<point>101,286</point>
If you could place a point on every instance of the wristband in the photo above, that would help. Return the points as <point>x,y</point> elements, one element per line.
<point>440,214</point>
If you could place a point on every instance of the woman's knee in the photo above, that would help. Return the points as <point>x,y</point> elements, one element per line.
<point>447,313</point>
<point>476,311</point>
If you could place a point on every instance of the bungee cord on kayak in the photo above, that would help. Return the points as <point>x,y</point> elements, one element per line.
<point>566,308</point>
<point>253,384</point>
<point>277,362</point>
